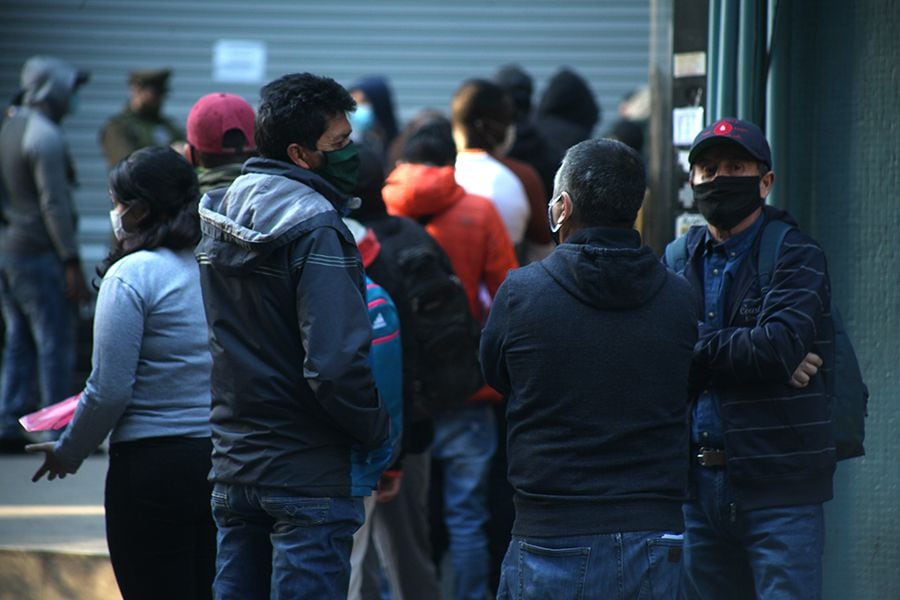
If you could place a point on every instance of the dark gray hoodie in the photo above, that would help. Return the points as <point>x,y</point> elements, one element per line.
<point>36,169</point>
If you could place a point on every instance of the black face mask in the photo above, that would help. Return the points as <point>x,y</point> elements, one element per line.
<point>726,201</point>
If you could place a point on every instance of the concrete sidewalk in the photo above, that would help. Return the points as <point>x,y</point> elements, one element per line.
<point>52,533</point>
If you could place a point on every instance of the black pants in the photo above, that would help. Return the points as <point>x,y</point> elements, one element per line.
<point>159,526</point>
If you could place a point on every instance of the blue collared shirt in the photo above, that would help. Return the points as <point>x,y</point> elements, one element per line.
<point>721,261</point>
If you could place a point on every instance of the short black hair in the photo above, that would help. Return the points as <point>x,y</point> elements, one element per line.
<point>431,143</point>
<point>484,111</point>
<point>295,109</point>
<point>233,139</point>
<point>369,184</point>
<point>606,181</point>
<point>165,187</point>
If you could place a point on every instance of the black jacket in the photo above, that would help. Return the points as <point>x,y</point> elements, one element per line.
<point>778,439</point>
<point>592,348</point>
<point>292,392</point>
<point>566,114</point>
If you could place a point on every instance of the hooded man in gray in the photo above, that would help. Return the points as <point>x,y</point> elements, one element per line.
<point>40,272</point>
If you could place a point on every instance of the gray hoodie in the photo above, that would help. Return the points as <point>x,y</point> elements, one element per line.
<point>35,165</point>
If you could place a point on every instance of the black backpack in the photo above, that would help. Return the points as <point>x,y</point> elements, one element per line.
<point>849,394</point>
<point>447,335</point>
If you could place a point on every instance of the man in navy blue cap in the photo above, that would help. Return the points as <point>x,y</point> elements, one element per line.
<point>763,453</point>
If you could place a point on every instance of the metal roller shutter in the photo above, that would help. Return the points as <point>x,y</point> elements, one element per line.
<point>426,48</point>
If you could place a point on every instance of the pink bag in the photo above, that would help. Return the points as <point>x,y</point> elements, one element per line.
<point>55,416</point>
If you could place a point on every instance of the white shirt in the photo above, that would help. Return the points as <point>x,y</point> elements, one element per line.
<point>481,174</point>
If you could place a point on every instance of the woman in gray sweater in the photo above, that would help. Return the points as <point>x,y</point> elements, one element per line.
<point>149,387</point>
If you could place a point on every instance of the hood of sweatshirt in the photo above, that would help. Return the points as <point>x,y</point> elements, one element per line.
<point>48,84</point>
<point>419,191</point>
<point>268,206</point>
<point>378,93</point>
<point>569,98</point>
<point>607,268</point>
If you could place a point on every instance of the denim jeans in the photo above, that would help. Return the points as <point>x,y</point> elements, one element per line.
<point>636,565</point>
<point>762,553</point>
<point>465,441</point>
<point>280,546</point>
<point>38,355</point>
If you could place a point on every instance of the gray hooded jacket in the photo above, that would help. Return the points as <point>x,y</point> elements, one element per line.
<point>293,398</point>
<point>36,168</point>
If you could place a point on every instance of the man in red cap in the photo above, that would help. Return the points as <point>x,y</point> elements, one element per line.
<point>219,138</point>
<point>764,455</point>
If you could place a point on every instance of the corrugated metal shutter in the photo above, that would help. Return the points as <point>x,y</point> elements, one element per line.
<point>426,49</point>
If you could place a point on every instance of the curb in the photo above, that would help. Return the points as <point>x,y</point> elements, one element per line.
<point>47,575</point>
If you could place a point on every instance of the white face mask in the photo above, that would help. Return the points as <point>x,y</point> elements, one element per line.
<point>115,217</point>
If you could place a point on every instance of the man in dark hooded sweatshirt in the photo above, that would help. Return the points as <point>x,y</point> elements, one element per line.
<point>566,114</point>
<point>40,271</point>
<point>592,347</point>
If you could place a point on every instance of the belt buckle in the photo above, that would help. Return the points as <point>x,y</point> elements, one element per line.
<point>711,457</point>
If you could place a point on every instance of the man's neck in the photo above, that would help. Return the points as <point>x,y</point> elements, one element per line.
<point>720,235</point>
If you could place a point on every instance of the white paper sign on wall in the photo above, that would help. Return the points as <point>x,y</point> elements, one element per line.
<point>239,61</point>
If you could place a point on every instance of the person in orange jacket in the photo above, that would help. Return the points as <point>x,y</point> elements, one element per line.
<point>471,232</point>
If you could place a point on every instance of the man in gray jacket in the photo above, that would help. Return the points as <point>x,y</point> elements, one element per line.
<point>40,272</point>
<point>294,406</point>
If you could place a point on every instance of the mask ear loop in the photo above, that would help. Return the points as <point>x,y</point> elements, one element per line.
<point>554,227</point>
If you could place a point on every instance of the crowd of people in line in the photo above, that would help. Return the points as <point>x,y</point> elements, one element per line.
<point>328,347</point>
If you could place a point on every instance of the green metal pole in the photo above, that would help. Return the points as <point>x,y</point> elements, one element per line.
<point>778,99</point>
<point>727,60</point>
<point>712,62</point>
<point>746,67</point>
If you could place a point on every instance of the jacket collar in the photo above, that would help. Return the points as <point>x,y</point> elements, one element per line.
<point>342,203</point>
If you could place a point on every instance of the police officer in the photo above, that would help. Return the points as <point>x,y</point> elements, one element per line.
<point>141,122</point>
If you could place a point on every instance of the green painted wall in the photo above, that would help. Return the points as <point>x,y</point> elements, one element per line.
<point>842,181</point>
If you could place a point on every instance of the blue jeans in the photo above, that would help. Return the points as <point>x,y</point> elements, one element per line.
<point>762,553</point>
<point>38,356</point>
<point>465,441</point>
<point>275,545</point>
<point>634,565</point>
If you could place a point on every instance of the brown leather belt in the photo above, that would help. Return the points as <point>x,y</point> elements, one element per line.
<point>711,457</point>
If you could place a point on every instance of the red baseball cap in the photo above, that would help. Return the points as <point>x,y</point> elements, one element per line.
<point>215,114</point>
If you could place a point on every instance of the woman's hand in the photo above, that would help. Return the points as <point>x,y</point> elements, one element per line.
<point>51,467</point>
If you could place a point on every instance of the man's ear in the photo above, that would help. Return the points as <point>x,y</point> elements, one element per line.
<point>566,208</point>
<point>190,155</point>
<point>300,156</point>
<point>765,184</point>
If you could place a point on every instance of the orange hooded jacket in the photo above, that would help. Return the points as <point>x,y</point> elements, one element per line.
<point>467,227</point>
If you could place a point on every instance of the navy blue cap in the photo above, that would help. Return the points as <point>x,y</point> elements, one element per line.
<point>729,130</point>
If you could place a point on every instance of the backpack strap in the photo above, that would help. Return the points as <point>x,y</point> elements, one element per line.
<point>676,254</point>
<point>769,247</point>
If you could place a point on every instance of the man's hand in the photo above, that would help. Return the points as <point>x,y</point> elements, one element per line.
<point>809,366</point>
<point>388,486</point>
<point>76,287</point>
<point>51,467</point>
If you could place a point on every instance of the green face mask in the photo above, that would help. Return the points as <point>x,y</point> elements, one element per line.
<point>341,168</point>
